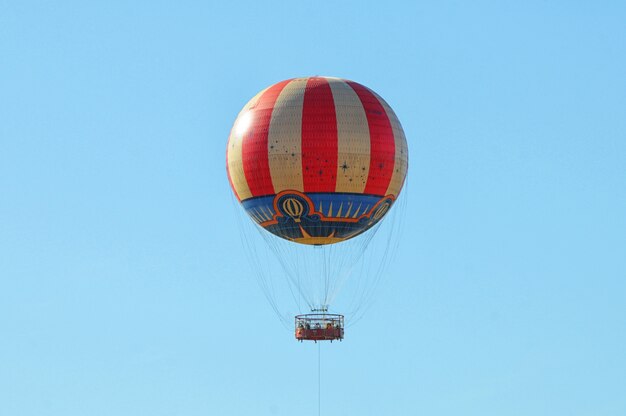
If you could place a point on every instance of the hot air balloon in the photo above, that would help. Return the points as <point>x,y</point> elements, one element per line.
<point>316,161</point>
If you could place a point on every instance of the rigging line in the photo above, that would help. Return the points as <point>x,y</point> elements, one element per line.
<point>252,256</point>
<point>280,252</point>
<point>393,243</point>
<point>393,227</point>
<point>358,254</point>
<point>327,272</point>
<point>266,284</point>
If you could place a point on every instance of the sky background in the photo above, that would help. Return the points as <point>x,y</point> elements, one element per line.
<point>123,288</point>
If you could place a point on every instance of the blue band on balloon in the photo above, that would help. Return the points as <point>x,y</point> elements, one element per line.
<point>317,218</point>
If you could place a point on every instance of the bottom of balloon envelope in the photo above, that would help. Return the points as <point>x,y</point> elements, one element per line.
<point>317,218</point>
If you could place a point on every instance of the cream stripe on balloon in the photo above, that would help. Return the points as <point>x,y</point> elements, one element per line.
<point>401,164</point>
<point>235,166</point>
<point>353,142</point>
<point>285,138</point>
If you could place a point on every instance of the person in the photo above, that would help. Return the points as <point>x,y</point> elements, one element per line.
<point>337,330</point>
<point>317,325</point>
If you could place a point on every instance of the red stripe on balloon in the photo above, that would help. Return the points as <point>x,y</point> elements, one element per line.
<point>382,143</point>
<point>254,152</point>
<point>319,137</point>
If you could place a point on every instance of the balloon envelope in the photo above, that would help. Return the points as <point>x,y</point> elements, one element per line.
<point>317,160</point>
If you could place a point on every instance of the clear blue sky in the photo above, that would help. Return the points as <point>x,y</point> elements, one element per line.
<point>123,290</point>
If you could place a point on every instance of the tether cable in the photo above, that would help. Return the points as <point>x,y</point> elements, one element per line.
<point>319,378</point>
